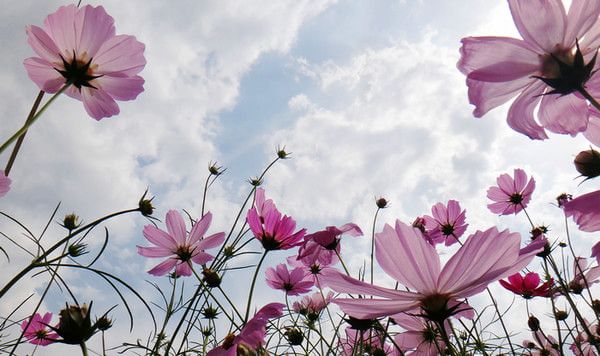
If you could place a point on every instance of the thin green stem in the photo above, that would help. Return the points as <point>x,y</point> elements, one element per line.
<point>83,348</point>
<point>28,123</point>
<point>249,304</point>
<point>373,241</point>
<point>15,151</point>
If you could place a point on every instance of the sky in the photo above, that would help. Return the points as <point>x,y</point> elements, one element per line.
<point>366,96</point>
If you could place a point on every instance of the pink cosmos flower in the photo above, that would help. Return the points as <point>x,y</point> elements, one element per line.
<point>252,334</point>
<point>293,283</point>
<point>585,210</point>
<point>38,331</point>
<point>324,245</point>
<point>4,184</point>
<point>79,46</point>
<point>582,345</point>
<point>547,67</point>
<point>544,345</point>
<point>584,277</point>
<point>527,287</point>
<point>365,343</point>
<point>274,231</point>
<point>447,223</point>
<point>511,195</point>
<point>403,253</point>
<point>262,205</point>
<point>312,305</point>
<point>180,249</point>
<point>420,335</point>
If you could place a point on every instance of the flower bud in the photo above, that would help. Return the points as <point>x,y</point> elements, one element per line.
<point>77,249</point>
<point>282,154</point>
<point>563,198</point>
<point>561,315</point>
<point>419,223</point>
<point>538,231</point>
<point>228,251</point>
<point>207,331</point>
<point>71,222</point>
<point>381,203</point>
<point>75,325</point>
<point>533,323</point>
<point>210,312</point>
<point>546,251</point>
<point>587,163</point>
<point>360,324</point>
<point>214,169</point>
<point>256,182</point>
<point>211,278</point>
<point>104,323</point>
<point>596,305</point>
<point>145,205</point>
<point>294,336</point>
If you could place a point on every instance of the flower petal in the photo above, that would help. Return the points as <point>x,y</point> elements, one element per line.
<point>488,95</point>
<point>121,88</point>
<point>540,22</point>
<point>154,251</point>
<point>565,114</point>
<point>176,226</point>
<point>520,115</point>
<point>583,14</point>
<point>97,28</point>
<point>42,44</point>
<point>98,104</point>
<point>164,267</point>
<point>497,59</point>
<point>43,74</point>
<point>120,55</point>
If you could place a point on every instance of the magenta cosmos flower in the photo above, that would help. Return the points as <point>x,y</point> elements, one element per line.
<point>312,305</point>
<point>293,282</point>
<point>274,231</point>
<point>512,194</point>
<point>252,334</point>
<point>585,210</point>
<point>324,245</point>
<point>420,335</point>
<point>547,67</point>
<point>4,184</point>
<point>365,343</point>
<point>542,345</point>
<point>405,255</point>
<point>528,286</point>
<point>38,331</point>
<point>583,277</point>
<point>180,248</point>
<point>447,223</point>
<point>79,46</point>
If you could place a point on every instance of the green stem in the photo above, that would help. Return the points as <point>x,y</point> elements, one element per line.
<point>83,348</point>
<point>28,123</point>
<point>38,261</point>
<point>373,241</point>
<point>249,304</point>
<point>15,151</point>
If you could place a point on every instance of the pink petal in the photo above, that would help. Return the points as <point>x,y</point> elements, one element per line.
<point>202,258</point>
<point>351,229</point>
<point>121,88</point>
<point>520,180</point>
<point>520,115</point>
<point>159,237</point>
<point>406,256</point>
<point>176,226</point>
<point>484,258</point>
<point>98,103</point>
<point>183,269</point>
<point>164,267</point>
<point>582,15</point>
<point>566,114</point>
<point>42,44</point>
<point>592,133</point>
<point>531,281</point>
<point>212,241</point>
<point>488,95</point>
<point>497,59</point>
<point>540,22</point>
<point>43,74</point>
<point>120,54</point>
<point>154,251</point>
<point>343,284</point>
<point>4,184</point>
<point>200,228</point>
<point>585,210</point>
<point>97,28</point>
<point>375,308</point>
<point>63,26</point>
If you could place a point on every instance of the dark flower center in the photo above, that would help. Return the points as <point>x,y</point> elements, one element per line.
<point>435,307</point>
<point>184,253</point>
<point>41,334</point>
<point>269,243</point>
<point>565,72</point>
<point>288,286</point>
<point>516,198</point>
<point>77,72</point>
<point>447,229</point>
